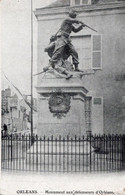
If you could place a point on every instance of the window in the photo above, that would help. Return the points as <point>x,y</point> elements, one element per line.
<point>89,51</point>
<point>83,47</point>
<point>96,55</point>
<point>80,2</point>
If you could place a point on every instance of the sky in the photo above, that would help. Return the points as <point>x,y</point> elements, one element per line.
<point>16,42</point>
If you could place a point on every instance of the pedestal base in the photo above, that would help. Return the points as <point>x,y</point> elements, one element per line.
<point>62,108</point>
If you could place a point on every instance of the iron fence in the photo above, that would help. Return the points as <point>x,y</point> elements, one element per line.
<point>64,154</point>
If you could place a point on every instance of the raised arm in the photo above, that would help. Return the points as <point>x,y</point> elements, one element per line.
<point>74,29</point>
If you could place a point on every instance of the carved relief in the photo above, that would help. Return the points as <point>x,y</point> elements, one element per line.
<point>88,114</point>
<point>59,104</point>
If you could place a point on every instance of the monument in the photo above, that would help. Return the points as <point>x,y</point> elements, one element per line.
<point>64,106</point>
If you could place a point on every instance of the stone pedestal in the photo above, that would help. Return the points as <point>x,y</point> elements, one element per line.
<point>63,107</point>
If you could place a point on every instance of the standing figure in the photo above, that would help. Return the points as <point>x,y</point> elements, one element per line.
<point>66,28</point>
<point>62,47</point>
<point>5,129</point>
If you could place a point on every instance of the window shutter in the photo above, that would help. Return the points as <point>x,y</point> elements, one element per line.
<point>96,54</point>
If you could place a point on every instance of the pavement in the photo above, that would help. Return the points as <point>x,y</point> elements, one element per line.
<point>13,183</point>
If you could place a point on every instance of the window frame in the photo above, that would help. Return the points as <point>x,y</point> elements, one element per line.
<point>91,37</point>
<point>72,3</point>
<point>86,35</point>
<point>92,51</point>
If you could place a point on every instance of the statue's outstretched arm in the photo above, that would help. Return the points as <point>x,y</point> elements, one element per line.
<point>74,29</point>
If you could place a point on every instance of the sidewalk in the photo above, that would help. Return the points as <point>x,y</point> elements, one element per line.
<point>13,183</point>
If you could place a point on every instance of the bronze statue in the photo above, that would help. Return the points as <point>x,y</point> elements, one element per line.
<point>60,47</point>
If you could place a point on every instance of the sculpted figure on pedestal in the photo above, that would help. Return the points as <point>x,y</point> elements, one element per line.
<point>61,47</point>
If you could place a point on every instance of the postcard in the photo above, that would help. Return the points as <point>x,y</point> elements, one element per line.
<point>62,97</point>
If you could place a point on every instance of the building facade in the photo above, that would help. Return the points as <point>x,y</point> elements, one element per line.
<point>101,53</point>
<point>15,113</point>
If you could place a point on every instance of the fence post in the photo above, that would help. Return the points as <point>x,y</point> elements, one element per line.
<point>123,151</point>
<point>67,153</point>
<point>79,153</point>
<point>90,152</point>
<point>11,148</point>
<point>52,152</point>
<point>56,154</point>
<point>60,144</point>
<point>37,152</point>
<point>44,139</point>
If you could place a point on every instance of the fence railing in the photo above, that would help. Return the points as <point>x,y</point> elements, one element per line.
<point>64,154</point>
